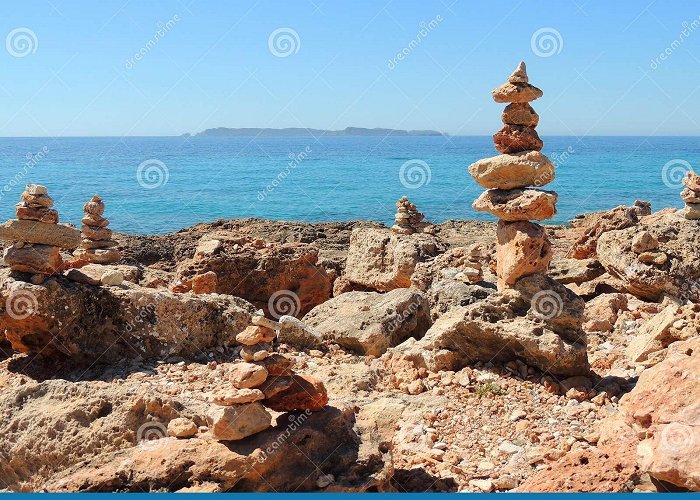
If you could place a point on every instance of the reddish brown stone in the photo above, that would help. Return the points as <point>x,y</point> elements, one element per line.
<point>520,113</point>
<point>517,138</point>
<point>204,283</point>
<point>25,212</point>
<point>305,393</point>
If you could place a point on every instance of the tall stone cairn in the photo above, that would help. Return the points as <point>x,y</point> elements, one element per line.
<point>691,196</point>
<point>522,246</point>
<point>36,235</point>
<point>407,218</point>
<point>262,379</point>
<point>97,245</point>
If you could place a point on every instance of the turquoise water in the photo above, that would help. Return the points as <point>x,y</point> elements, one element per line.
<point>329,179</point>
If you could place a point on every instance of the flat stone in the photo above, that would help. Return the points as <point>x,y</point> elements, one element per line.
<point>247,375</point>
<point>80,277</point>
<point>254,335</point>
<point>94,244</point>
<point>39,214</point>
<point>37,259</point>
<point>517,204</point>
<point>112,277</point>
<point>516,92</point>
<point>231,423</point>
<point>36,189</point>
<point>259,320</point>
<point>512,171</point>
<point>96,232</point>
<point>277,365</point>
<point>94,220</point>
<point>30,231</point>
<point>98,255</point>
<point>37,200</point>
<point>257,352</point>
<point>231,396</point>
<point>517,138</point>
<point>275,385</point>
<point>522,248</point>
<point>520,113</point>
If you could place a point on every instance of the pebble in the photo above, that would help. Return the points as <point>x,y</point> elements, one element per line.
<point>509,448</point>
<point>517,415</point>
<point>485,485</point>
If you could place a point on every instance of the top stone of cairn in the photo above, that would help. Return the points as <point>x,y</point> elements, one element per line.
<point>517,88</point>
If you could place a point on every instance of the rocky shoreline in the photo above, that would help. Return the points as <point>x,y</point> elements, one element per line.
<point>113,386</point>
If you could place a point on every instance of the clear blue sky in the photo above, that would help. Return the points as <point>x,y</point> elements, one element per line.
<point>214,66</point>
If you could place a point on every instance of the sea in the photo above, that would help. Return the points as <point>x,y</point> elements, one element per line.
<point>158,185</point>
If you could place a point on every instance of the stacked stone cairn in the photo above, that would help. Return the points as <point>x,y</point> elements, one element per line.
<point>263,378</point>
<point>471,268</point>
<point>97,245</point>
<point>407,218</point>
<point>522,247</point>
<point>37,236</point>
<point>691,196</point>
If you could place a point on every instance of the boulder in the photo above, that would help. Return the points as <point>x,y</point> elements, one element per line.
<point>303,393</point>
<point>517,204</point>
<point>296,333</point>
<point>257,270</point>
<point>512,171</point>
<point>42,233</point>
<point>444,294</point>
<point>522,248</point>
<point>232,423</point>
<point>105,324</point>
<point>677,274</point>
<point>537,322</point>
<point>654,335</point>
<point>369,322</point>
<point>382,260</point>
<point>662,416</point>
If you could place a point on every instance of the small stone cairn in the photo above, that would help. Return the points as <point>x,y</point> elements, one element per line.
<point>522,247</point>
<point>37,236</point>
<point>262,379</point>
<point>97,245</point>
<point>471,268</point>
<point>407,218</point>
<point>691,196</point>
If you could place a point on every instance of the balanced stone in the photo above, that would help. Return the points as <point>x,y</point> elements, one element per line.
<point>231,423</point>
<point>690,196</point>
<point>255,334</point>
<point>37,200</point>
<point>36,189</point>
<point>516,92</point>
<point>90,244</point>
<point>692,181</point>
<point>94,220</point>
<point>511,171</point>
<point>517,204</point>
<point>520,113</point>
<point>97,244</point>
<point>37,259</point>
<point>95,206</point>
<point>39,214</point>
<point>517,138</point>
<point>692,211</point>
<point>31,231</point>
<point>522,248</point>
<point>96,232</point>
<point>407,217</point>
<point>519,75</point>
<point>98,255</point>
<point>233,396</point>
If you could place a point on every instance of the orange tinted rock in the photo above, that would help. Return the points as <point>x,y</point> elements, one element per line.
<point>305,393</point>
<point>522,248</point>
<point>204,283</point>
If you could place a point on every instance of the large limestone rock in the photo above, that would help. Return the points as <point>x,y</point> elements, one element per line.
<point>42,233</point>
<point>256,270</point>
<point>369,322</point>
<point>662,417</point>
<point>382,260</point>
<point>512,171</point>
<point>103,324</point>
<point>674,267</point>
<point>517,204</point>
<point>522,248</point>
<point>538,322</point>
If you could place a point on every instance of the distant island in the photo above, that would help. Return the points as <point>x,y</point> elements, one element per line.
<point>349,131</point>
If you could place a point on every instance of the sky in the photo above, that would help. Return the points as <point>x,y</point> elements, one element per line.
<point>132,68</point>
